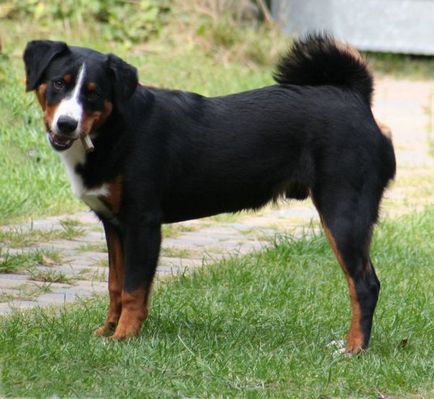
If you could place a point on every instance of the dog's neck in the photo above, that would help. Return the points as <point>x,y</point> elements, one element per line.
<point>74,158</point>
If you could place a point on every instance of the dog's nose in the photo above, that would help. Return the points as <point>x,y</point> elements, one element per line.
<point>66,124</point>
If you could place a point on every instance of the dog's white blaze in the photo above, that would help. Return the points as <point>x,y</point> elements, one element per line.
<point>76,154</point>
<point>70,106</point>
<point>72,157</point>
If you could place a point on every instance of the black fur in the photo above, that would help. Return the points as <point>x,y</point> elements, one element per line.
<point>183,156</point>
<point>316,60</point>
<point>36,64</point>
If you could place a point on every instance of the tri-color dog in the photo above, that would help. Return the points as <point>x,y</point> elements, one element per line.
<point>150,156</point>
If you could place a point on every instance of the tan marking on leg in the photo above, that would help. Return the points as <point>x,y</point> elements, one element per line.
<point>355,336</point>
<point>94,120</point>
<point>115,283</point>
<point>134,312</point>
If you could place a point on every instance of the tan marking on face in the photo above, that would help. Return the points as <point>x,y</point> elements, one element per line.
<point>88,121</point>
<point>40,95</point>
<point>94,120</point>
<point>355,336</point>
<point>91,86</point>
<point>67,78</point>
<point>49,112</point>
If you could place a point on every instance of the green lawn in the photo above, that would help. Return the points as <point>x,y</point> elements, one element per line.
<point>257,326</point>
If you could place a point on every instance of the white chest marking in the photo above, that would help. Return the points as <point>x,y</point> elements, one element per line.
<point>73,157</point>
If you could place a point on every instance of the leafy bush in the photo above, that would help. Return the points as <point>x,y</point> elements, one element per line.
<point>129,21</point>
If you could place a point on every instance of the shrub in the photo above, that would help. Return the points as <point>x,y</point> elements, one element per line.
<point>129,21</point>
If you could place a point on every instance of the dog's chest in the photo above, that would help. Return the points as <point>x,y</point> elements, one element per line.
<point>97,198</point>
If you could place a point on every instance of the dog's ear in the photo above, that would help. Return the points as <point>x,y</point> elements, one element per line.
<point>37,56</point>
<point>125,80</point>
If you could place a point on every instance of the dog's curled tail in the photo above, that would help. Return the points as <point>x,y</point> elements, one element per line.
<point>317,60</point>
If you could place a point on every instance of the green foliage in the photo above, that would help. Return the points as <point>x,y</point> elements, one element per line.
<point>135,23</point>
<point>125,21</point>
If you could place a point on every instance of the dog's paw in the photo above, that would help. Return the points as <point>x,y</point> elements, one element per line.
<point>124,332</point>
<point>354,349</point>
<point>341,349</point>
<point>105,330</point>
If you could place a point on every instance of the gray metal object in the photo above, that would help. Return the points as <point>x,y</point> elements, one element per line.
<point>404,26</point>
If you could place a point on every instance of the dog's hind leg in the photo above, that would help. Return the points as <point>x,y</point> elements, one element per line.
<point>115,280</point>
<point>348,218</point>
<point>142,245</point>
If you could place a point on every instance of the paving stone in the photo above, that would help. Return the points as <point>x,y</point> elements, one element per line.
<point>55,298</point>
<point>12,280</point>
<point>172,270</point>
<point>5,309</point>
<point>180,262</point>
<point>22,304</point>
<point>87,260</point>
<point>94,286</point>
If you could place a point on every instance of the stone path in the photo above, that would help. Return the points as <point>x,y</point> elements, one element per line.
<point>69,258</point>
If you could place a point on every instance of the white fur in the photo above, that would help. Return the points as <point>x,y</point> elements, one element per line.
<point>70,106</point>
<point>73,157</point>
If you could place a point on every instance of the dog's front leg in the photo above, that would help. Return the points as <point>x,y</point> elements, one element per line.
<point>116,278</point>
<point>141,249</point>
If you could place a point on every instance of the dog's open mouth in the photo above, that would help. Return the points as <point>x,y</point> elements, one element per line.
<point>59,142</point>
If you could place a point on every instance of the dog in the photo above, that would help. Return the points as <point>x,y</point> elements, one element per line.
<point>141,156</point>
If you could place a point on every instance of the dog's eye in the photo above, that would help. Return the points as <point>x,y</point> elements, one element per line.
<point>58,84</point>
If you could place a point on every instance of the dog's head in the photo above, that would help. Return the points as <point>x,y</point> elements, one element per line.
<point>76,87</point>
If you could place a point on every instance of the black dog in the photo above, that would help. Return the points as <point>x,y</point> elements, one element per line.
<point>163,156</point>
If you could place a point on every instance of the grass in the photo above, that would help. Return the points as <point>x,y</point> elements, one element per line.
<point>26,261</point>
<point>19,237</point>
<point>50,276</point>
<point>256,326</point>
<point>26,292</point>
<point>93,247</point>
<point>91,274</point>
<point>402,66</point>
<point>71,229</point>
<point>173,252</point>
